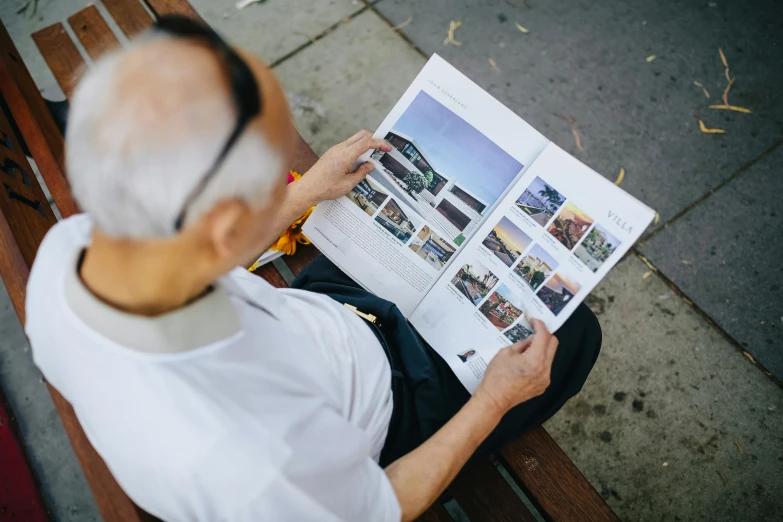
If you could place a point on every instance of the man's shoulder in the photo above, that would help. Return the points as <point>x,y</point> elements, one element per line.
<point>66,236</point>
<point>58,248</point>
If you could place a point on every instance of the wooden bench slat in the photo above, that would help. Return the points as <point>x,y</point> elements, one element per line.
<point>551,481</point>
<point>13,268</point>
<point>271,275</point>
<point>130,16</point>
<point>61,56</point>
<point>436,513</point>
<point>302,257</point>
<point>485,496</point>
<point>180,7</point>
<point>22,201</point>
<point>43,119</point>
<point>93,32</point>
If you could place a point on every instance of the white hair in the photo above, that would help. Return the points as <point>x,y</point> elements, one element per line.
<point>134,181</point>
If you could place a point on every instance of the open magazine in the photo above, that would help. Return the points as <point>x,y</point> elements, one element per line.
<point>475,223</point>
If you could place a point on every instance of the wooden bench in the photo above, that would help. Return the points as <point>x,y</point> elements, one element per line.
<point>538,466</point>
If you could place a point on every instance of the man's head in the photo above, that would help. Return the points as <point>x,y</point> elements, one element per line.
<point>146,125</point>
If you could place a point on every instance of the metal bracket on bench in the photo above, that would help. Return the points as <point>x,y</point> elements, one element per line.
<point>35,205</point>
<point>11,167</point>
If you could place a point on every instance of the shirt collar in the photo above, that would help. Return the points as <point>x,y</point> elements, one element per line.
<point>208,319</point>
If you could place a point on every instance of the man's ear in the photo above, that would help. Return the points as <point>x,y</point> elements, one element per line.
<point>226,228</point>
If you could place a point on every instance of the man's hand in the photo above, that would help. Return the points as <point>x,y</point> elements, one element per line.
<point>519,372</point>
<point>516,374</point>
<point>331,176</point>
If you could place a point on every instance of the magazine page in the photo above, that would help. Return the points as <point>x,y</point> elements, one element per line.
<point>455,152</point>
<point>553,237</point>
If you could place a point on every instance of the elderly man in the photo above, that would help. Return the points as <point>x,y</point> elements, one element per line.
<point>210,394</point>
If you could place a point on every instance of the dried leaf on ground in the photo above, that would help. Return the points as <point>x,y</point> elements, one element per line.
<point>647,274</point>
<point>578,139</point>
<point>403,24</point>
<point>647,262</point>
<point>492,62</point>
<point>725,64</point>
<point>244,3</point>
<point>703,89</point>
<point>651,58</point>
<point>657,218</point>
<point>725,96</point>
<point>620,176</point>
<point>453,26</point>
<point>687,262</point>
<point>523,29</point>
<point>567,119</point>
<point>749,356</point>
<point>739,446</point>
<point>734,108</point>
<point>705,130</point>
<point>665,464</point>
<point>571,121</point>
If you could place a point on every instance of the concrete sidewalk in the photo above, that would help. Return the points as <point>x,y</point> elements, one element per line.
<point>675,423</point>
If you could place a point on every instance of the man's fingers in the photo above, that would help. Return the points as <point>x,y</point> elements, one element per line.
<point>361,171</point>
<point>366,143</point>
<point>356,137</point>
<point>540,340</point>
<point>381,145</point>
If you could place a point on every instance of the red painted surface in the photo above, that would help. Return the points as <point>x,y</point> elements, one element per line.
<point>19,498</point>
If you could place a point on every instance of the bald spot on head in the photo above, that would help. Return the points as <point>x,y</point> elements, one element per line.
<point>167,90</point>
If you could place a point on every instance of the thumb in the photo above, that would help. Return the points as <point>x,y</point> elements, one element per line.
<point>538,325</point>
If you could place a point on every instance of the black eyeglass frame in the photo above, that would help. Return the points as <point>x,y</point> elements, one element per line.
<point>244,92</point>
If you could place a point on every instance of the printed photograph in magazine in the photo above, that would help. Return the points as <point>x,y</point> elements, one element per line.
<point>432,248</point>
<point>367,196</point>
<point>443,167</point>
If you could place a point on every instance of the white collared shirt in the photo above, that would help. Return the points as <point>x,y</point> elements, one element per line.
<point>250,404</point>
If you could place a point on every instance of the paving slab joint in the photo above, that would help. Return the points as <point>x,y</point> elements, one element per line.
<point>710,192</point>
<point>314,39</point>
<point>371,7</point>
<point>704,314</point>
